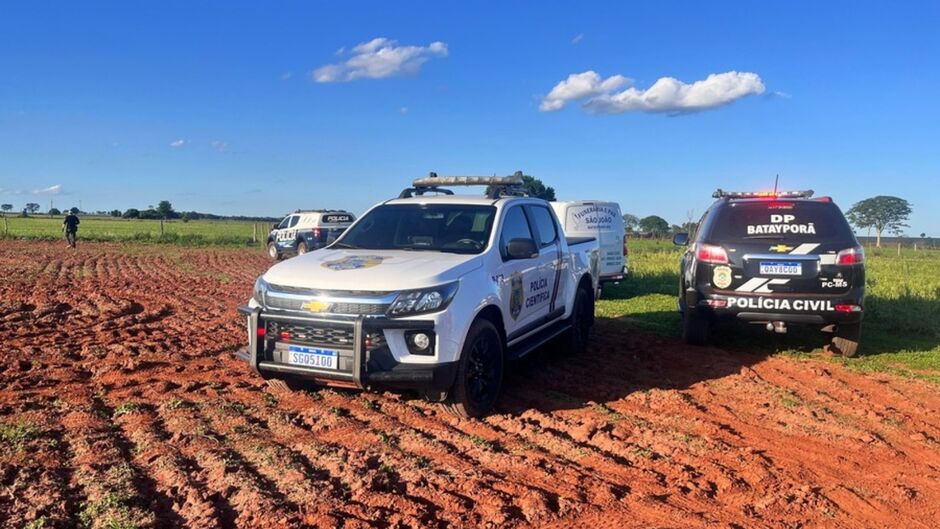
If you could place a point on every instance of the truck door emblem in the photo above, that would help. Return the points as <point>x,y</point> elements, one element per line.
<point>354,262</point>
<point>516,296</point>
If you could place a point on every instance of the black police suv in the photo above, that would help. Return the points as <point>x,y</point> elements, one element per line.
<point>775,258</point>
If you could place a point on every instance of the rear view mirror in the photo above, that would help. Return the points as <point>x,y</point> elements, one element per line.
<point>680,239</point>
<point>521,249</point>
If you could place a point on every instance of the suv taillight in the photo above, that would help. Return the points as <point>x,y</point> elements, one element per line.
<point>626,251</point>
<point>316,233</point>
<point>710,253</point>
<point>851,256</point>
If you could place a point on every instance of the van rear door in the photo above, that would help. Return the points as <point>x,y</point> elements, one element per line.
<point>603,221</point>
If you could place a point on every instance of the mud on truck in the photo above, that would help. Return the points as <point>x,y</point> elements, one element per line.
<point>430,291</point>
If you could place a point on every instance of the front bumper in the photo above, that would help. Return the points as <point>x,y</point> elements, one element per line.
<point>790,308</point>
<point>359,366</point>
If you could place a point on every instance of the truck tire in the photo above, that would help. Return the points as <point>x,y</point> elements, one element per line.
<point>479,372</point>
<point>301,247</point>
<point>272,252</point>
<point>845,340</point>
<point>582,320</point>
<point>696,327</point>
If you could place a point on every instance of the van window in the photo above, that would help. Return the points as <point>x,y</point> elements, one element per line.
<point>284,223</point>
<point>545,225</point>
<point>293,221</point>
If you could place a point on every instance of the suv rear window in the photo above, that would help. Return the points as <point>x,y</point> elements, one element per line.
<point>800,221</point>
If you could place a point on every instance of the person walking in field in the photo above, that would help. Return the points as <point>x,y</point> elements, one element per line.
<point>70,226</point>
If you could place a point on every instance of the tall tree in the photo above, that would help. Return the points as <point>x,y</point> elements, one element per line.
<point>654,226</point>
<point>881,213</point>
<point>630,222</point>
<point>165,209</point>
<point>535,188</point>
<point>6,207</point>
<point>32,207</point>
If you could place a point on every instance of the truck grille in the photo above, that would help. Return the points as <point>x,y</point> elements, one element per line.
<point>366,309</point>
<point>324,334</point>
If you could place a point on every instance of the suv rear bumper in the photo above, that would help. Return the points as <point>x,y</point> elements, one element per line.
<point>790,308</point>
<point>369,367</point>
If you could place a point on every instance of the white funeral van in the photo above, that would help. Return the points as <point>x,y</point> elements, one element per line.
<point>602,221</point>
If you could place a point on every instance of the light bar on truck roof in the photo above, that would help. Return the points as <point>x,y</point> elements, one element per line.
<point>763,194</point>
<point>433,180</point>
<point>497,186</point>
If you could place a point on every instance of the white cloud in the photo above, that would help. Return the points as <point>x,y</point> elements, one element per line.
<point>176,144</point>
<point>51,190</point>
<point>379,58</point>
<point>578,38</point>
<point>219,145</point>
<point>666,95</point>
<point>286,75</point>
<point>580,86</point>
<point>403,110</point>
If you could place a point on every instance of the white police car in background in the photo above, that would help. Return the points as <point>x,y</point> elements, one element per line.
<point>303,231</point>
<point>433,293</point>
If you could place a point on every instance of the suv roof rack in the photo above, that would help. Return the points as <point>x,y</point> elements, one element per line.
<point>763,194</point>
<point>496,186</point>
<point>320,211</point>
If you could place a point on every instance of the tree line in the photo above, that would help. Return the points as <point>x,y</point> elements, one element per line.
<point>162,211</point>
<point>881,214</point>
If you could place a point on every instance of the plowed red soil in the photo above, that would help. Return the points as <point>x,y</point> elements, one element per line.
<point>122,405</point>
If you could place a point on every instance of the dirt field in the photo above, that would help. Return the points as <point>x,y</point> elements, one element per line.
<point>122,405</point>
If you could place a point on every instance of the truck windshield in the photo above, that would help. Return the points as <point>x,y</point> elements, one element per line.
<point>451,228</point>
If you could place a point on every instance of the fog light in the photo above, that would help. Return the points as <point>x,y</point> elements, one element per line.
<point>420,342</point>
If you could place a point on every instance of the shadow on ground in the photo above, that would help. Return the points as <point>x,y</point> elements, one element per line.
<point>636,347</point>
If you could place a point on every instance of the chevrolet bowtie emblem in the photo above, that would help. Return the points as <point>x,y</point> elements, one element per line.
<point>316,306</point>
<point>781,248</point>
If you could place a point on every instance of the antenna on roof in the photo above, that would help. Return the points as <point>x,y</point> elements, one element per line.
<point>776,180</point>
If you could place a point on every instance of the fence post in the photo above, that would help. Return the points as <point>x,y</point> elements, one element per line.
<point>161,228</point>
<point>6,227</point>
<point>254,232</point>
<point>899,249</point>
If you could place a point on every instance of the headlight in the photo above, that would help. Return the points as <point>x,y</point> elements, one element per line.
<point>261,288</point>
<point>422,301</point>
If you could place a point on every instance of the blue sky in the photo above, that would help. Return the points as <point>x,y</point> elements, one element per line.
<point>215,106</point>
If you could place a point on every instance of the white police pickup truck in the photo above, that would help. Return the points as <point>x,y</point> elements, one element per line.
<point>305,230</point>
<point>430,291</point>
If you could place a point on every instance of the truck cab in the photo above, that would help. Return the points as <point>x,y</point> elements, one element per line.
<point>306,230</point>
<point>431,291</point>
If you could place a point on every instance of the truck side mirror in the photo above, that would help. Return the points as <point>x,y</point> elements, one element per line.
<point>680,239</point>
<point>521,249</point>
<point>274,226</point>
